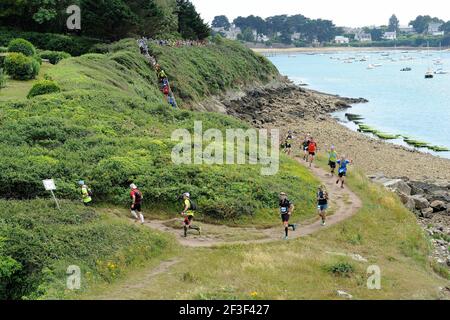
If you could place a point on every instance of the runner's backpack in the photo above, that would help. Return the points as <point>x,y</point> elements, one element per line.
<point>193,205</point>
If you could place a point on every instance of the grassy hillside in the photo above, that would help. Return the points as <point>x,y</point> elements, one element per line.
<point>110,127</point>
<point>38,243</point>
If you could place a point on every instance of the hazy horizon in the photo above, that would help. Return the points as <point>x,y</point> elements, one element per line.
<point>346,13</point>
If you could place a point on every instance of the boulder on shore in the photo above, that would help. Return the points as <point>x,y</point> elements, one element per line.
<point>420,202</point>
<point>427,213</point>
<point>438,205</point>
<point>399,186</point>
<point>407,201</point>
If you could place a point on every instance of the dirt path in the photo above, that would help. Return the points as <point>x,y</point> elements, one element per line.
<point>343,202</point>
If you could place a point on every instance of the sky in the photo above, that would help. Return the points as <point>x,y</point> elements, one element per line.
<point>348,13</point>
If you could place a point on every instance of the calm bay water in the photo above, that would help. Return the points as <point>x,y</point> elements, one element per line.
<point>400,102</point>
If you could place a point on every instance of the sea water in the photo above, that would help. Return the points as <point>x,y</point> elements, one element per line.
<point>403,103</point>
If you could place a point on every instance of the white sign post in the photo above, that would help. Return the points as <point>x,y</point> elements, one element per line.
<point>49,185</point>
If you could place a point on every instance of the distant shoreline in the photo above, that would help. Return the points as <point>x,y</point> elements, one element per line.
<point>334,49</point>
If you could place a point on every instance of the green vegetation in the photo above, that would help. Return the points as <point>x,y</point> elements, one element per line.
<point>353,117</point>
<point>387,136</point>
<point>107,19</point>
<point>416,143</point>
<point>341,269</point>
<point>54,56</point>
<point>38,243</point>
<point>18,89</point>
<point>21,46</point>
<point>366,128</point>
<point>43,87</point>
<point>68,136</point>
<point>51,41</point>
<point>20,67</point>
<point>438,148</point>
<point>2,79</point>
<point>383,232</point>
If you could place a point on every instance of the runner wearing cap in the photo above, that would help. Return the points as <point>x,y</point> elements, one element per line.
<point>136,204</point>
<point>188,213</point>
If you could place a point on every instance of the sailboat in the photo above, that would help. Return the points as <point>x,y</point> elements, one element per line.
<point>441,71</point>
<point>429,74</point>
<point>438,61</point>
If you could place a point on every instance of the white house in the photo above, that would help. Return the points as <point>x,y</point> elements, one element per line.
<point>433,29</point>
<point>407,29</point>
<point>390,35</point>
<point>233,32</point>
<point>262,38</point>
<point>296,36</point>
<point>341,40</point>
<point>363,37</point>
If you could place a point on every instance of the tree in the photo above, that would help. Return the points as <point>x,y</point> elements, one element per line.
<point>247,35</point>
<point>190,24</point>
<point>394,23</point>
<point>375,33</point>
<point>221,22</point>
<point>252,22</point>
<point>445,27</point>
<point>421,23</point>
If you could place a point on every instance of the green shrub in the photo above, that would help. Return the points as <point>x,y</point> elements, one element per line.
<point>21,67</point>
<point>54,56</point>
<point>21,46</point>
<point>3,49</point>
<point>75,45</point>
<point>341,269</point>
<point>2,79</point>
<point>43,87</point>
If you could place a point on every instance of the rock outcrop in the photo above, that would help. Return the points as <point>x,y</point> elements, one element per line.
<point>431,204</point>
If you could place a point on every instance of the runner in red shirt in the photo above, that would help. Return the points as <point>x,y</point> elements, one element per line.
<point>312,150</point>
<point>136,204</point>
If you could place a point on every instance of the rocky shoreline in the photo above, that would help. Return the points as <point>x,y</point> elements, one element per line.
<point>431,204</point>
<point>421,180</point>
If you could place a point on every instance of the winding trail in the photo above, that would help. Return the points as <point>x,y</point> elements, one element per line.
<point>343,202</point>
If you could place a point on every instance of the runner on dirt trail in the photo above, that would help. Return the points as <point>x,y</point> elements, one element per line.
<point>188,214</point>
<point>305,147</point>
<point>332,159</point>
<point>322,204</point>
<point>286,209</point>
<point>342,171</point>
<point>288,143</point>
<point>136,203</point>
<point>312,150</point>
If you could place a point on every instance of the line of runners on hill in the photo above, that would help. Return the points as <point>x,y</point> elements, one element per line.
<point>177,43</point>
<point>309,148</point>
<point>163,80</point>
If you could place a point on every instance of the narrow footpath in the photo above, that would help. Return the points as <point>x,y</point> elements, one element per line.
<point>343,203</point>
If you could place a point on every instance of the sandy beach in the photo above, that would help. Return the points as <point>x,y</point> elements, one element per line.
<point>333,49</point>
